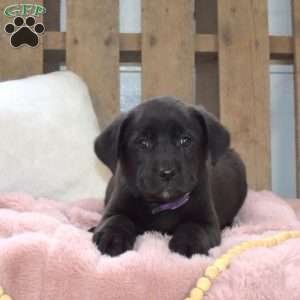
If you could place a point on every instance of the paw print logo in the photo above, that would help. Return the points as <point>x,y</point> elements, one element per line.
<point>24,32</point>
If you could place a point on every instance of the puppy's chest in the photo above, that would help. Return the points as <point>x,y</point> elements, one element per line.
<point>164,222</point>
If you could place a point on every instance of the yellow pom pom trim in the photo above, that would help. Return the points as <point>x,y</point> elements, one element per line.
<point>197,294</point>
<point>213,271</point>
<point>203,284</point>
<point>3,296</point>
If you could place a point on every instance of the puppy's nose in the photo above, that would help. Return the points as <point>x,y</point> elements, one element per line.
<point>167,174</point>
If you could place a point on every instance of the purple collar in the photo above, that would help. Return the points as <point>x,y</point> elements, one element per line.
<point>171,205</point>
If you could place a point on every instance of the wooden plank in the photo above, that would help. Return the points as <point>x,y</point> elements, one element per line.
<point>18,62</point>
<point>244,83</point>
<point>130,57</point>
<point>296,25</point>
<point>55,41</point>
<point>53,60</point>
<point>93,52</point>
<point>168,48</point>
<point>206,16</point>
<point>207,81</point>
<point>206,43</point>
<point>281,47</point>
<point>130,42</point>
<point>52,17</point>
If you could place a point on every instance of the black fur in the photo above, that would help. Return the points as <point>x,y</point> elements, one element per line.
<point>157,152</point>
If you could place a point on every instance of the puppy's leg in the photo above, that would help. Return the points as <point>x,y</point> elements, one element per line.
<point>191,238</point>
<point>115,235</point>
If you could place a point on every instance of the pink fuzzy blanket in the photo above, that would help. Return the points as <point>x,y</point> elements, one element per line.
<point>46,253</point>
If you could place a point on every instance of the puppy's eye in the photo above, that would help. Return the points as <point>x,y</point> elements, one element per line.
<point>184,141</point>
<point>144,143</point>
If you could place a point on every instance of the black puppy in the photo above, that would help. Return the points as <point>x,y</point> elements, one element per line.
<point>173,172</point>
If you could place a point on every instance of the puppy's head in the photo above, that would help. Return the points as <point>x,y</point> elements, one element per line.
<point>161,147</point>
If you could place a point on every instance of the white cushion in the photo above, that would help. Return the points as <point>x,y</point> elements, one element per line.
<point>47,130</point>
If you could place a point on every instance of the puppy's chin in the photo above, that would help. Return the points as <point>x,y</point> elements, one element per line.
<point>163,193</point>
<point>164,196</point>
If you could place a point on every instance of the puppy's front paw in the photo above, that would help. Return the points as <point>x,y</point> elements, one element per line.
<point>186,246</point>
<point>113,242</point>
<point>191,239</point>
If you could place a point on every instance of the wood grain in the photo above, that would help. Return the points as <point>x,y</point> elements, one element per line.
<point>55,41</point>
<point>92,51</point>
<point>168,49</point>
<point>296,25</point>
<point>52,17</point>
<point>244,83</point>
<point>18,62</point>
<point>281,47</point>
<point>207,80</point>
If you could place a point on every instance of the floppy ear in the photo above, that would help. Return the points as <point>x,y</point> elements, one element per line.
<point>218,138</point>
<point>107,144</point>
